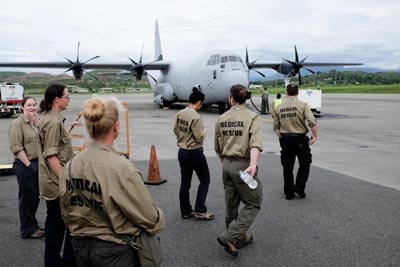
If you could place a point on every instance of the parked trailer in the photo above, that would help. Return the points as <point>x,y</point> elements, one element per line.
<point>313,97</point>
<point>11,95</point>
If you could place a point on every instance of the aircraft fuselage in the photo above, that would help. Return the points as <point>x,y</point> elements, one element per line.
<point>215,74</point>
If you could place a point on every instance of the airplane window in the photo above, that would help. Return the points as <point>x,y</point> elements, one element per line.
<point>210,60</point>
<point>232,58</point>
<point>213,60</point>
<point>217,58</point>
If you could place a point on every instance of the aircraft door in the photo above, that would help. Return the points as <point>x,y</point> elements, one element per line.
<point>211,84</point>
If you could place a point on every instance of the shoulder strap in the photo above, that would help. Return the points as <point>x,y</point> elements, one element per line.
<point>99,213</point>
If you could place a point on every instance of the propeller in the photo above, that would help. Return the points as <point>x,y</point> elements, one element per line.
<point>250,64</point>
<point>77,66</point>
<point>297,65</point>
<point>138,69</point>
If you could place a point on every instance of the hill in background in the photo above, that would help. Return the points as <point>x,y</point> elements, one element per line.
<point>32,77</point>
<point>322,76</point>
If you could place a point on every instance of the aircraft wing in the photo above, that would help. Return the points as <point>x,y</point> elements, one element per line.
<point>78,68</point>
<point>44,65</point>
<point>291,68</point>
<point>66,65</point>
<point>125,66</point>
<point>304,64</point>
<point>322,64</point>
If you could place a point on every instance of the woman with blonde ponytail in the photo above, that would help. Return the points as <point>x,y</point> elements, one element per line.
<point>113,186</point>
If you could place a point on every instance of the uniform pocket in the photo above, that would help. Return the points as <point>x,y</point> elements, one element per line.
<point>113,250</point>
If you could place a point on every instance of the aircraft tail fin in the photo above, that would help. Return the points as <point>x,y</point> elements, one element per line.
<point>157,44</point>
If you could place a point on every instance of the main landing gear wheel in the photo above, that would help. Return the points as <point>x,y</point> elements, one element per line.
<point>164,104</point>
<point>221,108</point>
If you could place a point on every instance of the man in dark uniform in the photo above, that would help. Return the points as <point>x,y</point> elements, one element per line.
<point>290,124</point>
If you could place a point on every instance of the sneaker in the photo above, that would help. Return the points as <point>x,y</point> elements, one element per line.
<point>300,194</point>
<point>37,234</point>
<point>203,215</point>
<point>188,216</point>
<point>299,191</point>
<point>290,197</point>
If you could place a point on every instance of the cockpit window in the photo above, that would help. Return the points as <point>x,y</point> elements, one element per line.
<point>213,60</point>
<point>225,59</point>
<point>232,59</point>
<point>217,59</point>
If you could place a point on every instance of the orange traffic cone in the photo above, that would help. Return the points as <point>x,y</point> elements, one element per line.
<point>153,175</point>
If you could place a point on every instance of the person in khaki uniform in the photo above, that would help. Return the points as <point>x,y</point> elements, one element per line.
<point>113,186</point>
<point>23,137</point>
<point>55,150</point>
<point>190,134</point>
<point>238,145</point>
<point>291,119</point>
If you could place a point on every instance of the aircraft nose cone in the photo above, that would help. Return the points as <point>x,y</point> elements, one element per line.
<point>220,90</point>
<point>232,78</point>
<point>236,77</point>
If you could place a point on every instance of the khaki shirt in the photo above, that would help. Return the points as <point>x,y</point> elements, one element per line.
<point>22,135</point>
<point>189,129</point>
<point>236,132</point>
<point>265,94</point>
<point>114,186</point>
<point>293,116</point>
<point>54,141</point>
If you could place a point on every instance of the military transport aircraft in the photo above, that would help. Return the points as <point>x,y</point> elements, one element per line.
<point>213,73</point>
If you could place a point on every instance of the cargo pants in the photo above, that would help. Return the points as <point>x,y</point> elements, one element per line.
<point>237,221</point>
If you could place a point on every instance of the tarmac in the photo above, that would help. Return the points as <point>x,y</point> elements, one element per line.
<point>350,216</point>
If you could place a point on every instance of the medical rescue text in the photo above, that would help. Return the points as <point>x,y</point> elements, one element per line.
<point>183,125</point>
<point>88,186</point>
<point>288,112</point>
<point>230,128</point>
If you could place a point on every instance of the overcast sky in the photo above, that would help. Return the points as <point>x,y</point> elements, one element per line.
<point>365,31</point>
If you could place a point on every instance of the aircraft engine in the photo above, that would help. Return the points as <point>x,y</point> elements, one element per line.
<point>158,100</point>
<point>77,66</point>
<point>77,71</point>
<point>138,69</point>
<point>296,65</point>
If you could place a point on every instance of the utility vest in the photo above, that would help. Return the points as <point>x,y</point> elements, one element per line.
<point>277,102</point>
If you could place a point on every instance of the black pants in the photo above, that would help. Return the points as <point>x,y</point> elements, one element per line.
<point>98,253</point>
<point>28,196</point>
<point>295,145</point>
<point>57,235</point>
<point>189,161</point>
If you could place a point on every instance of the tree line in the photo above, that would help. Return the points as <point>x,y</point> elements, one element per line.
<point>334,77</point>
<point>330,78</point>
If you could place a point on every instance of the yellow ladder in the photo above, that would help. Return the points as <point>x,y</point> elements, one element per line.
<point>77,124</point>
